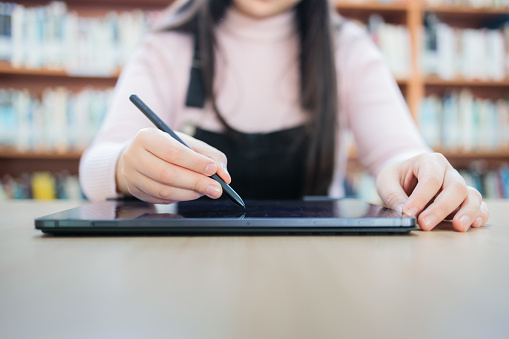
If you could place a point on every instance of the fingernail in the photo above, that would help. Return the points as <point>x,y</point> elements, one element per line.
<point>213,191</point>
<point>429,221</point>
<point>478,221</point>
<point>465,222</point>
<point>412,212</point>
<point>211,169</point>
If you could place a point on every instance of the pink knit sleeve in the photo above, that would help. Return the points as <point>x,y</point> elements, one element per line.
<point>371,103</point>
<point>148,75</point>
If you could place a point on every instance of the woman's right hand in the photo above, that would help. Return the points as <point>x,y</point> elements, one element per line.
<point>156,168</point>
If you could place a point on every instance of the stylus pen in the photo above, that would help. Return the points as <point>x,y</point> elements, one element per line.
<point>230,193</point>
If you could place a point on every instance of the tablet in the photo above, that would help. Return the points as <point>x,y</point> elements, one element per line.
<point>220,217</point>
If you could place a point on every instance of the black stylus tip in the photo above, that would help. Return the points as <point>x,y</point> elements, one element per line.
<point>242,204</point>
<point>237,199</point>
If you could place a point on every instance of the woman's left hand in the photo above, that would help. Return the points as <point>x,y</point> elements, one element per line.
<point>428,186</point>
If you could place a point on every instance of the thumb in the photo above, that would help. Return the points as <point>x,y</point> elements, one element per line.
<point>392,193</point>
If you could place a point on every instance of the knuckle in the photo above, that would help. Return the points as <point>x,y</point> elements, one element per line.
<point>164,193</point>
<point>175,152</point>
<point>441,211</point>
<point>472,191</point>
<point>199,186</point>
<point>196,187</point>
<point>435,181</point>
<point>459,187</point>
<point>424,155</point>
<point>222,157</point>
<point>458,176</point>
<point>392,199</point>
<point>142,135</point>
<point>166,174</point>
<point>485,210</point>
<point>440,158</point>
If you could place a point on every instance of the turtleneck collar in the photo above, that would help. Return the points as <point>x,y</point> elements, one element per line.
<point>272,29</point>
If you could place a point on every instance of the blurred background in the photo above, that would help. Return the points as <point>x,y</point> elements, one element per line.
<point>60,60</point>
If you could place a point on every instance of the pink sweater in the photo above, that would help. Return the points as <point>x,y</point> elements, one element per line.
<point>258,91</point>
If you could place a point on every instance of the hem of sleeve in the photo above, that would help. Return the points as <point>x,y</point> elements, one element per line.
<point>97,171</point>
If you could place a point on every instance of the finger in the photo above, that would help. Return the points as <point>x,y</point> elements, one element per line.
<point>137,193</point>
<point>178,177</point>
<point>468,211</point>
<point>163,146</point>
<point>159,191</point>
<point>391,191</point>
<point>454,192</point>
<point>430,179</point>
<point>140,194</point>
<point>210,152</point>
<point>170,177</point>
<point>482,217</point>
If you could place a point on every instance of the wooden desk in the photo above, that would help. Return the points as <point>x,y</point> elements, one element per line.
<point>440,284</point>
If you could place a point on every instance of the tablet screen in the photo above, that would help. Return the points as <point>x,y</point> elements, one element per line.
<point>225,209</point>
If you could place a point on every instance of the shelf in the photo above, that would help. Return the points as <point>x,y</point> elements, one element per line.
<point>11,154</point>
<point>7,69</point>
<point>435,81</point>
<point>15,163</point>
<point>486,160</point>
<point>466,10</point>
<point>470,17</point>
<point>495,155</point>
<point>371,6</point>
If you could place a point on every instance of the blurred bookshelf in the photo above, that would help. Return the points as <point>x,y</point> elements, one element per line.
<point>72,68</point>
<point>403,23</point>
<point>485,158</point>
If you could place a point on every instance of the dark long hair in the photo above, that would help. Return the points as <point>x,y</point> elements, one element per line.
<point>318,88</point>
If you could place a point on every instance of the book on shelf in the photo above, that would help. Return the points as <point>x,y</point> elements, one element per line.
<point>492,184</point>
<point>41,186</point>
<point>60,121</point>
<point>460,122</point>
<point>394,42</point>
<point>472,54</point>
<point>53,37</point>
<point>5,30</point>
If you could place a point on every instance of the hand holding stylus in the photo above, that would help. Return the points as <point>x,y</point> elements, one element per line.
<point>157,168</point>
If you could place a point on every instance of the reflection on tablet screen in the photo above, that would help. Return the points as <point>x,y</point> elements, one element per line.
<point>348,208</point>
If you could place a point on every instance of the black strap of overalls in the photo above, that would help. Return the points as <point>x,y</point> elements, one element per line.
<point>196,89</point>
